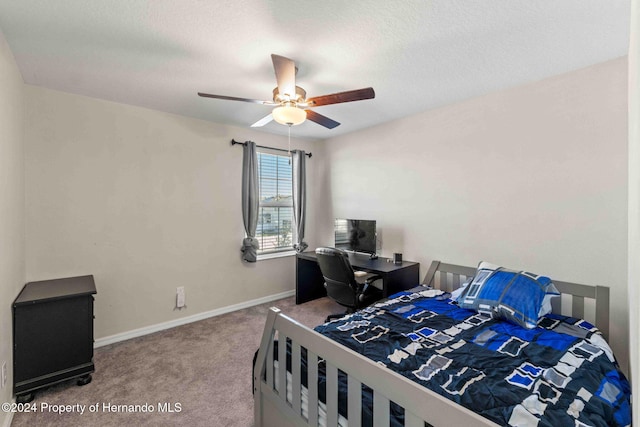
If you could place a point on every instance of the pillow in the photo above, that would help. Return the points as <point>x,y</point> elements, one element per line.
<point>517,297</point>
<point>456,293</point>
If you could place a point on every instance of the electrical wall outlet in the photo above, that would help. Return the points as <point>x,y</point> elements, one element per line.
<point>180,297</point>
<point>3,380</point>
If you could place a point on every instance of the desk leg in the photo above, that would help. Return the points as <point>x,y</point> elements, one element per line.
<point>309,281</point>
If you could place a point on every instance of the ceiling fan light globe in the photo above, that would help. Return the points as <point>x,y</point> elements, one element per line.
<point>287,115</point>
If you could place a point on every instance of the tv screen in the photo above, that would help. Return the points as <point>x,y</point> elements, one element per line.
<point>357,235</point>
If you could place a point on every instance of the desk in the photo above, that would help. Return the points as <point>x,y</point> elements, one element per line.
<point>395,277</point>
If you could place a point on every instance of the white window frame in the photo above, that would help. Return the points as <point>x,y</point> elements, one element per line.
<point>285,250</point>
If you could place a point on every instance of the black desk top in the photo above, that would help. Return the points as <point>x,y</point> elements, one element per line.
<point>362,261</point>
<point>56,289</point>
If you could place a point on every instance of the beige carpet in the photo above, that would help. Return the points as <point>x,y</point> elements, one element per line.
<point>202,371</point>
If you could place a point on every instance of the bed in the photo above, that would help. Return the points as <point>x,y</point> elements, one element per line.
<point>353,389</point>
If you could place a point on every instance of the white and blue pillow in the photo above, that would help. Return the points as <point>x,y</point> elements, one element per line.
<point>517,297</point>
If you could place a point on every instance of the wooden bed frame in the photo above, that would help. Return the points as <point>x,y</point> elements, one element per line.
<point>273,409</point>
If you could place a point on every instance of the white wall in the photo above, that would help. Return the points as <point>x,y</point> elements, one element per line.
<point>534,177</point>
<point>12,264</point>
<point>634,206</point>
<point>145,201</point>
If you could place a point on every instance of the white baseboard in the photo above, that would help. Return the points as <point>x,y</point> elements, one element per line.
<point>111,339</point>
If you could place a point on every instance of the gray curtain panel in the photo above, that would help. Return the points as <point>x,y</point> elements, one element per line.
<point>250,198</point>
<point>299,197</point>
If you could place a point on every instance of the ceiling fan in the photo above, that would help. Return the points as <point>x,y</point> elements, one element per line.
<point>292,104</point>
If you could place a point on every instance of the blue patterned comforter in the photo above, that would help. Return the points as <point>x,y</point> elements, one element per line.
<point>561,373</point>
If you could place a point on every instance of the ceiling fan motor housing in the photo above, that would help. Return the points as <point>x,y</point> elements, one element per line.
<point>301,96</point>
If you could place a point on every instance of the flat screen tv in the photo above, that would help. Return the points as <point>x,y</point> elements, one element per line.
<point>358,235</point>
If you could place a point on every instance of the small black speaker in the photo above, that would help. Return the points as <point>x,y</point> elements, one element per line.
<point>397,258</point>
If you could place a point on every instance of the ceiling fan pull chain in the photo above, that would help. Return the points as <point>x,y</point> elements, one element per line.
<point>289,150</point>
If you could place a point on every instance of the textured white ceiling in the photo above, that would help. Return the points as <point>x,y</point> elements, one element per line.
<point>416,54</point>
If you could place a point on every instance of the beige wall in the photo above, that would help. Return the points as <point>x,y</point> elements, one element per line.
<point>12,264</point>
<point>634,205</point>
<point>146,202</point>
<point>534,177</point>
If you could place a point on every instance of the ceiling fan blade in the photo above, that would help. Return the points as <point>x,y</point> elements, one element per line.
<point>347,96</point>
<point>321,120</point>
<point>263,121</point>
<point>233,98</point>
<point>285,70</point>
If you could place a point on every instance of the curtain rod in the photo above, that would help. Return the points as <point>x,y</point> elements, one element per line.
<point>234,142</point>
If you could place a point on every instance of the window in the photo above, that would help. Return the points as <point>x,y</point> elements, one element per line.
<point>275,215</point>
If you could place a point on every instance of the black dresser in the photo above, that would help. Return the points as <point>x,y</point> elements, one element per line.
<point>52,334</point>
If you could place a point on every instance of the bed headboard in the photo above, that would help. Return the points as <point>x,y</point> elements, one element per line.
<point>449,277</point>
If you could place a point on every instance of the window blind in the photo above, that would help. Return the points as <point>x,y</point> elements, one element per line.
<point>275,220</point>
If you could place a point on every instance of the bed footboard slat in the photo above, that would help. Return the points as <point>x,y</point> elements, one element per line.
<point>602,310</point>
<point>556,305</point>
<point>455,282</point>
<point>354,407</point>
<point>282,364</point>
<point>312,383</point>
<point>443,282</point>
<point>577,307</point>
<point>296,380</point>
<point>332,395</point>
<point>380,410</point>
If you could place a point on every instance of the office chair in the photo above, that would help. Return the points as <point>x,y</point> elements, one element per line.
<point>350,289</point>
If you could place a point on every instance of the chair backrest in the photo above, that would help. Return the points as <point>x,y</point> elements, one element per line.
<point>338,276</point>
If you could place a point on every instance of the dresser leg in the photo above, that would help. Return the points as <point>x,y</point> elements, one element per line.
<point>25,398</point>
<point>84,380</point>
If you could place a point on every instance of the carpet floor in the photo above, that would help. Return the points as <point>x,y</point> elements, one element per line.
<point>192,375</point>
